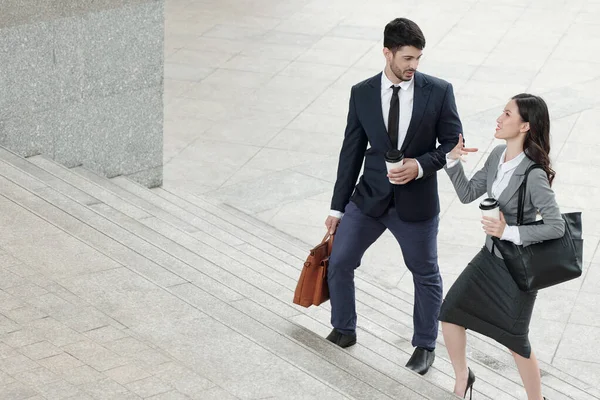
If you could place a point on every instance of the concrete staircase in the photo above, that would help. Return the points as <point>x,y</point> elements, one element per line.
<point>209,289</point>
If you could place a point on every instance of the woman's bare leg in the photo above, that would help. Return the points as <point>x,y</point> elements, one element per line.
<point>530,375</point>
<point>455,337</point>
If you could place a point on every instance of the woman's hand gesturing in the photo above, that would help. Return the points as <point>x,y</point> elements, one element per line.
<point>460,150</point>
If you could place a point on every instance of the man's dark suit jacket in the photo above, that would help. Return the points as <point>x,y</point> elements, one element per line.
<point>434,121</point>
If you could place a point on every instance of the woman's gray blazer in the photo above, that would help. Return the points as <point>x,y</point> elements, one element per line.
<point>539,197</point>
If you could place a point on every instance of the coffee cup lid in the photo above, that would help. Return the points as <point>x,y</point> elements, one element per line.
<point>393,155</point>
<point>488,204</point>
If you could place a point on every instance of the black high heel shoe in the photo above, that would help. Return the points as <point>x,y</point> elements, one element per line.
<point>470,382</point>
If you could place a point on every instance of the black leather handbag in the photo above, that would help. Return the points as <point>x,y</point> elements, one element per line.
<point>546,263</point>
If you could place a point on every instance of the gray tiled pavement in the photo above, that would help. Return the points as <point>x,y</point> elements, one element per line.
<point>84,317</point>
<point>255,102</point>
<point>111,291</point>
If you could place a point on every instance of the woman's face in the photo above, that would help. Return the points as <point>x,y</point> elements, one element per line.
<point>510,125</point>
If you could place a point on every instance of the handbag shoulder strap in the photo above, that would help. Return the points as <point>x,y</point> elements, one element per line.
<point>522,188</point>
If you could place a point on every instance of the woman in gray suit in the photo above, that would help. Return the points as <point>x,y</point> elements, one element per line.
<point>485,298</point>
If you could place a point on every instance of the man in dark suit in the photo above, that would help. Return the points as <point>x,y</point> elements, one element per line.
<point>402,109</point>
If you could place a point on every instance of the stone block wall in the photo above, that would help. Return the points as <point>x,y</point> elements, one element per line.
<point>82,82</point>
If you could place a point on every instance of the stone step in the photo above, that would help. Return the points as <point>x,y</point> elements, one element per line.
<point>481,348</point>
<point>138,190</point>
<point>403,327</point>
<point>275,289</point>
<point>323,320</point>
<point>407,331</point>
<point>484,349</point>
<point>438,393</point>
<point>364,311</point>
<point>178,296</point>
<point>328,361</point>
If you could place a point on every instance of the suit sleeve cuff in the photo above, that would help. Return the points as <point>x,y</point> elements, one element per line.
<point>511,233</point>
<point>450,162</point>
<point>420,175</point>
<point>336,213</point>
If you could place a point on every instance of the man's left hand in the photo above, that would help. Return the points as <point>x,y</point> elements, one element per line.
<point>406,173</point>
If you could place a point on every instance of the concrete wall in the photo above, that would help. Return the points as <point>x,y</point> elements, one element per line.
<point>82,82</point>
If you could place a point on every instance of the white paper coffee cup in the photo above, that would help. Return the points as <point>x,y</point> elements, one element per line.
<point>490,208</point>
<point>393,159</point>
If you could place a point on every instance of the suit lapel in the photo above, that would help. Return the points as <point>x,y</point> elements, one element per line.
<point>422,91</point>
<point>493,172</point>
<point>515,181</point>
<point>375,109</point>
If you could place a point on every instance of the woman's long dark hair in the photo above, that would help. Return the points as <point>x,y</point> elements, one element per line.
<point>533,109</point>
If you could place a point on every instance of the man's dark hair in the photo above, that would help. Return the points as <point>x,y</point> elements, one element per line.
<point>403,32</point>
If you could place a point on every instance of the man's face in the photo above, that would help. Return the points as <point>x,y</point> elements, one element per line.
<point>404,62</point>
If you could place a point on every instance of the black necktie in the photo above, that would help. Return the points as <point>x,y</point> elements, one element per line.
<point>394,117</point>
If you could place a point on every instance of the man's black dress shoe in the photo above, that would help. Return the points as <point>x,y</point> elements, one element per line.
<point>421,360</point>
<point>340,339</point>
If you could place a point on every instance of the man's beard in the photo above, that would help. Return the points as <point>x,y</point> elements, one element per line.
<point>400,74</point>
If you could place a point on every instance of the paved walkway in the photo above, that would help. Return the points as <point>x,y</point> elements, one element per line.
<point>256,95</point>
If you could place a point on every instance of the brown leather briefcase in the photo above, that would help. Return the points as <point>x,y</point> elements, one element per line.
<point>312,286</point>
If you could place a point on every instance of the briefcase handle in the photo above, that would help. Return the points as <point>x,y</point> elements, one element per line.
<point>328,237</point>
